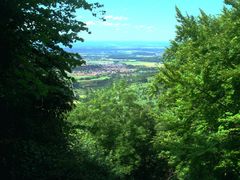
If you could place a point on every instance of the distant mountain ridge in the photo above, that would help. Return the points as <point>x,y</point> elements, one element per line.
<point>119,50</point>
<point>121,44</point>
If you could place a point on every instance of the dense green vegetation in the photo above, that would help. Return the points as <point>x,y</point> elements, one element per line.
<point>115,127</point>
<point>198,92</point>
<point>183,125</point>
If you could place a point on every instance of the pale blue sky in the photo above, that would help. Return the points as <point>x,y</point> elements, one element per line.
<point>143,20</point>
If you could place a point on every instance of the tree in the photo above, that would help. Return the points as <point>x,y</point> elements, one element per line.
<point>35,89</point>
<point>199,99</point>
<point>115,127</point>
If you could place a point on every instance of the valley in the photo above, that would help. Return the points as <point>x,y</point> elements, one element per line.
<point>108,62</point>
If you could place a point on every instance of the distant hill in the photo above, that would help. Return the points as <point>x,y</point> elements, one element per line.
<point>120,50</point>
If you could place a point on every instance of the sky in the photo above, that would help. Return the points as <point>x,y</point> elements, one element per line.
<point>142,20</point>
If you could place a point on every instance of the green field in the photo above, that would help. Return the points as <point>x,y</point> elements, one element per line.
<point>126,62</point>
<point>99,62</point>
<point>85,79</point>
<point>140,63</point>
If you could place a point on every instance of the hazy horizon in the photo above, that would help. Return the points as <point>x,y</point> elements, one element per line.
<point>121,43</point>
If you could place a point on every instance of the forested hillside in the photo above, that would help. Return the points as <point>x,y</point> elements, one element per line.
<point>184,124</point>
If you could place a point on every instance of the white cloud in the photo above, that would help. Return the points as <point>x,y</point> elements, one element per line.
<point>111,21</point>
<point>116,18</point>
<point>90,23</point>
<point>114,23</point>
<point>107,24</point>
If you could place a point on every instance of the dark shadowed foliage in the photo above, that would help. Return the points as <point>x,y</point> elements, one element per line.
<point>35,89</point>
